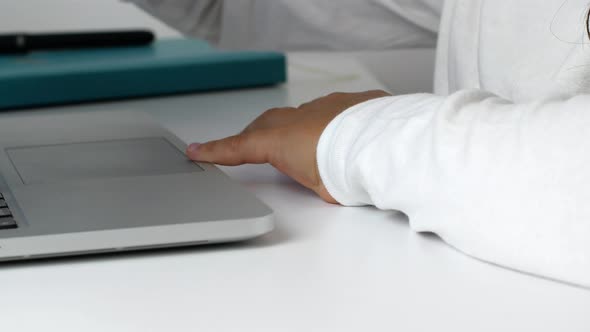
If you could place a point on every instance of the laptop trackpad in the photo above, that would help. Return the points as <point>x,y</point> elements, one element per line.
<point>105,159</point>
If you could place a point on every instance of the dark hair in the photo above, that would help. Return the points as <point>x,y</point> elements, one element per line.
<point>588,23</point>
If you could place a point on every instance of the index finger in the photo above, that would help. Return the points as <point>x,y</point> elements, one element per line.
<point>246,148</point>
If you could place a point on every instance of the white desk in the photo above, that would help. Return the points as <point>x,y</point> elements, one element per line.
<point>325,268</point>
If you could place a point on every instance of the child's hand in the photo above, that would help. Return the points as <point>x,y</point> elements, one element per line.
<point>286,138</point>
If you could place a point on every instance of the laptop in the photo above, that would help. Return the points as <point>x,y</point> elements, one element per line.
<point>97,182</point>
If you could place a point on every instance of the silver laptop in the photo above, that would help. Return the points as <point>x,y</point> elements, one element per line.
<point>111,181</point>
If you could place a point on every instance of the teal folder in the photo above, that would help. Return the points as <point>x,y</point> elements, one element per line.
<point>168,66</point>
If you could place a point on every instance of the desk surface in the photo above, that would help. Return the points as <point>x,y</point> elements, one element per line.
<point>324,268</point>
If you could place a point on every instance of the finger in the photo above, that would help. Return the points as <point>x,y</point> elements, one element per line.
<point>246,148</point>
<point>272,118</point>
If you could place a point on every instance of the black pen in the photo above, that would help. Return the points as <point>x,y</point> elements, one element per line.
<point>23,42</point>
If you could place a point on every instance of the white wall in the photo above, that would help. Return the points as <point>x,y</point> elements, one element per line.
<point>401,71</point>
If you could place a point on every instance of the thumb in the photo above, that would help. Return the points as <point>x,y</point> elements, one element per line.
<point>246,148</point>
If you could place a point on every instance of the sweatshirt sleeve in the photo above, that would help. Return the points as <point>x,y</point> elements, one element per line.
<point>197,18</point>
<point>303,24</point>
<point>506,183</point>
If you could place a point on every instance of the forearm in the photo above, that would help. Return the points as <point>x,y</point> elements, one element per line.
<point>503,182</point>
<point>327,24</point>
<point>305,24</point>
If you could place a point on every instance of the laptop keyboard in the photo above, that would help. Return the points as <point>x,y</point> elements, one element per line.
<point>6,219</point>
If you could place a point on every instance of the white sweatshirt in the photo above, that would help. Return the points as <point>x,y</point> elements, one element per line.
<point>497,163</point>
